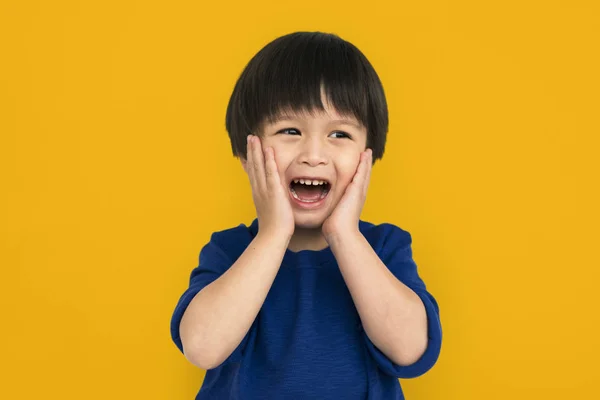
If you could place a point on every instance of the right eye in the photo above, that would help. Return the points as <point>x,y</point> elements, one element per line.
<point>289,130</point>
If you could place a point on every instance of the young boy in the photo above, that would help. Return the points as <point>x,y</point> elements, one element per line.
<point>309,301</point>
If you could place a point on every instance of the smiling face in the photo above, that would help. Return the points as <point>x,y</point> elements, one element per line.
<point>323,151</point>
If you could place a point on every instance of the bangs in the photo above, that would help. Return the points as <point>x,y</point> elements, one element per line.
<point>294,73</point>
<point>301,75</point>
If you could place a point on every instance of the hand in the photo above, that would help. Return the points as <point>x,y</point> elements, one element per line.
<point>345,216</point>
<point>271,199</point>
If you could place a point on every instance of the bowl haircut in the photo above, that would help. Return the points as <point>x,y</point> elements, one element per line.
<point>291,73</point>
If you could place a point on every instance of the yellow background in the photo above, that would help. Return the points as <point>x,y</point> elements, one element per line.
<point>116,167</point>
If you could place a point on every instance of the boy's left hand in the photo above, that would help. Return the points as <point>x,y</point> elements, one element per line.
<point>345,216</point>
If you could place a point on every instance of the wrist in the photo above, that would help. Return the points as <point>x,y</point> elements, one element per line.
<point>337,236</point>
<point>274,237</point>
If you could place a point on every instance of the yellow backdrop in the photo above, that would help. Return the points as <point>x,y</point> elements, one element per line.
<point>116,167</point>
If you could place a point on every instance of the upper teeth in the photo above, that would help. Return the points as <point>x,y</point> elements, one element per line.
<point>309,182</point>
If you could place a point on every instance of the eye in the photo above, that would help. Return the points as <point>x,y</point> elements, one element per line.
<point>289,130</point>
<point>342,134</point>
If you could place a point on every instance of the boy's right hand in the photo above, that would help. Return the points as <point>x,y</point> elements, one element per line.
<point>271,199</point>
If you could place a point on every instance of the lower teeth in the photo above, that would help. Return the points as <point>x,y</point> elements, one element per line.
<point>309,201</point>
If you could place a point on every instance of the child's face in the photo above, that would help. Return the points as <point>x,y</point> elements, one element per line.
<point>318,148</point>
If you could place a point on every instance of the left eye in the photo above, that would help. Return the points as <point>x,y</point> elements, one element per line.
<point>342,134</point>
<point>288,130</point>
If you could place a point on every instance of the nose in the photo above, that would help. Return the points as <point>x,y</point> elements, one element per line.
<point>313,152</point>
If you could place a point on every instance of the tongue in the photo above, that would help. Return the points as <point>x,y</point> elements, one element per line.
<point>306,192</point>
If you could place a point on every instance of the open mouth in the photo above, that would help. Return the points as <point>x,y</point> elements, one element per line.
<point>308,190</point>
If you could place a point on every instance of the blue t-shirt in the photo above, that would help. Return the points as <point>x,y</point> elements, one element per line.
<point>307,341</point>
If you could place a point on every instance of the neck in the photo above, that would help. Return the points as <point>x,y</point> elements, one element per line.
<point>307,239</point>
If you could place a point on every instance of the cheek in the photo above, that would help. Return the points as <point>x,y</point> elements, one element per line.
<point>347,168</point>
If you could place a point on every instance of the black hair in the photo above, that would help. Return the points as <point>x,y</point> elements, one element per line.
<point>289,74</point>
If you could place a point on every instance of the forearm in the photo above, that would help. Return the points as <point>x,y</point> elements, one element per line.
<point>219,316</point>
<point>392,315</point>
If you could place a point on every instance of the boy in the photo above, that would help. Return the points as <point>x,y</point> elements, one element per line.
<point>309,301</point>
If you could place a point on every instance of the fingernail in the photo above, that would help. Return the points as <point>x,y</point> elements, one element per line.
<point>248,138</point>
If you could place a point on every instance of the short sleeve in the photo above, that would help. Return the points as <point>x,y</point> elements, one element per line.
<point>212,263</point>
<point>396,254</point>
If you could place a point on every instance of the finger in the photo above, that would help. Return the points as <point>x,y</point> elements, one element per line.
<point>250,162</point>
<point>358,175</point>
<point>258,164</point>
<point>369,165</point>
<point>272,174</point>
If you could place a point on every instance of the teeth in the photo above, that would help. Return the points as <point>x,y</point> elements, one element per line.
<point>309,182</point>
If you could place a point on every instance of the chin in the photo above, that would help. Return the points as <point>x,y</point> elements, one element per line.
<point>308,221</point>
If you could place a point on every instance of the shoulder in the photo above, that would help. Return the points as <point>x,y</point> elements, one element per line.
<point>231,242</point>
<point>226,236</point>
<point>384,236</point>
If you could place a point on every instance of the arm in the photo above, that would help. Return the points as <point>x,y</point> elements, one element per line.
<point>392,315</point>
<point>219,316</point>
